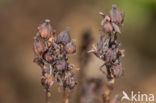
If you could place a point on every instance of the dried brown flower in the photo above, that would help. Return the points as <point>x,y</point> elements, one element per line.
<point>70,48</point>
<point>116,15</point>
<point>45,29</point>
<point>107,47</point>
<point>108,50</point>
<point>116,70</point>
<point>64,37</point>
<point>50,53</point>
<point>39,47</point>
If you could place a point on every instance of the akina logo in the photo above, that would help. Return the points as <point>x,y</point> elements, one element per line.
<point>138,97</point>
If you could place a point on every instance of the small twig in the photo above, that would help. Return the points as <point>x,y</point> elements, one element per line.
<point>65,97</point>
<point>46,97</point>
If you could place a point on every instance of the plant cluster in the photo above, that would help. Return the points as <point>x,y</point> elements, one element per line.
<point>50,53</point>
<point>107,48</point>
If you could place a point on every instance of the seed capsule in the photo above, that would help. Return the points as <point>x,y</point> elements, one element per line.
<point>61,65</point>
<point>117,70</point>
<point>116,15</point>
<point>64,37</point>
<point>48,57</point>
<point>107,28</point>
<point>47,80</point>
<point>107,19</point>
<point>110,56</point>
<point>45,29</point>
<point>50,53</point>
<point>39,47</point>
<point>70,48</point>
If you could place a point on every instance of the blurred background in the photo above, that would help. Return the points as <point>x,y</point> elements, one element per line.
<point>20,77</point>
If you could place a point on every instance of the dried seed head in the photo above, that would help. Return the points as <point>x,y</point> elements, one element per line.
<point>70,81</point>
<point>38,60</point>
<point>45,29</point>
<point>45,68</point>
<point>116,15</point>
<point>48,57</point>
<point>107,28</point>
<point>47,80</point>
<point>70,48</point>
<point>51,55</point>
<point>117,70</point>
<point>110,56</point>
<point>64,37</point>
<point>108,49</point>
<point>39,47</point>
<point>107,18</point>
<point>61,65</point>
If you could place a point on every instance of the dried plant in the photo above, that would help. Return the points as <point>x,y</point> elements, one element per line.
<point>107,49</point>
<point>50,53</point>
<point>91,91</point>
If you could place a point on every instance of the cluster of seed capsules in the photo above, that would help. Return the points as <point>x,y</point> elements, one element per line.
<point>107,47</point>
<point>50,53</point>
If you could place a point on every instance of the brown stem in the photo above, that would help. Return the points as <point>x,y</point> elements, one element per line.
<point>65,98</point>
<point>46,97</point>
<point>115,36</point>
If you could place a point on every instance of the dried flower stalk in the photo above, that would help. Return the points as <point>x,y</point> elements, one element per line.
<point>107,49</point>
<point>50,53</point>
